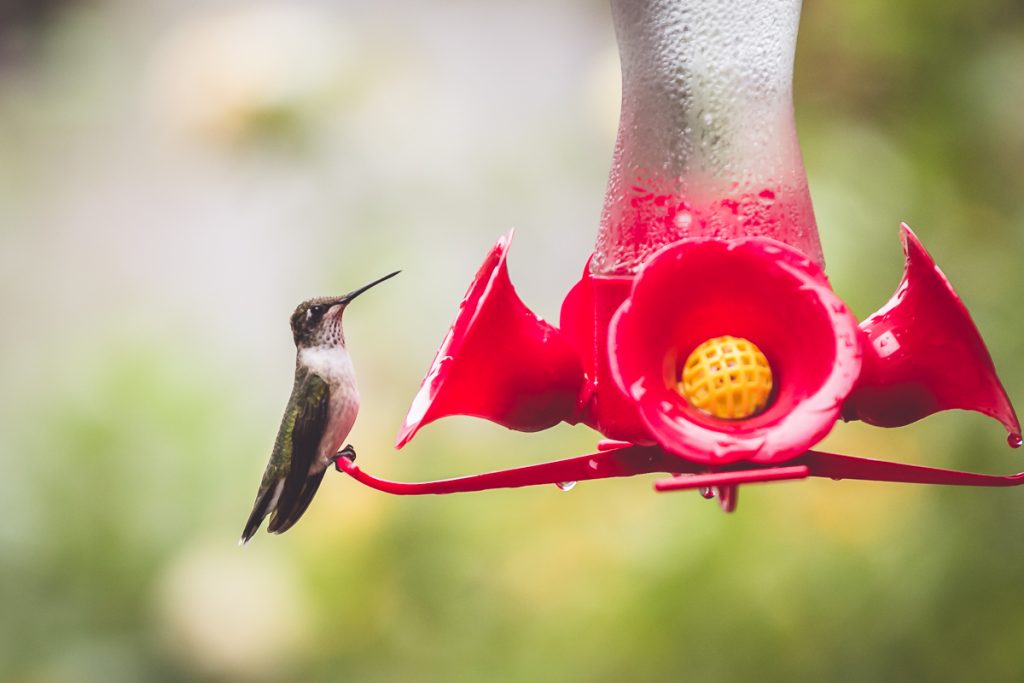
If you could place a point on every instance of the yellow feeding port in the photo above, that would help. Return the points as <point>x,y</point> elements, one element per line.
<point>728,378</point>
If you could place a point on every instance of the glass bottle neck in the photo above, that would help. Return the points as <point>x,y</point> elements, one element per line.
<point>707,143</point>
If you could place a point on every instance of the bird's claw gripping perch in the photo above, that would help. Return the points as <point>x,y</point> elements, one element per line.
<point>348,452</point>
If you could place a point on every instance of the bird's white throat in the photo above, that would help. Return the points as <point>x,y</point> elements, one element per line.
<point>332,363</point>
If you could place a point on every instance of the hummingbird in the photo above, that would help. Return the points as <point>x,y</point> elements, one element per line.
<point>318,418</point>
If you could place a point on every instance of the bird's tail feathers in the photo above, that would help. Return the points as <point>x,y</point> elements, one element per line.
<point>266,499</point>
<point>286,516</point>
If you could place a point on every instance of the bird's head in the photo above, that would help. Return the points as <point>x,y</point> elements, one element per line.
<point>317,322</point>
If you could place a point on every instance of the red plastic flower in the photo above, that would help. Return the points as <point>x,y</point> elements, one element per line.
<point>757,289</point>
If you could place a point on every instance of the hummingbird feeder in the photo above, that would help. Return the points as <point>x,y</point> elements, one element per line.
<point>703,339</point>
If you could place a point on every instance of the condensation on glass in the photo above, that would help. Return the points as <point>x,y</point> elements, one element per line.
<point>707,143</point>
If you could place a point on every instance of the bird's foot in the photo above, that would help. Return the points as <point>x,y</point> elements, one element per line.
<point>348,452</point>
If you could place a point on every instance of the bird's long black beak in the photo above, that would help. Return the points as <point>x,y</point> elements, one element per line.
<point>353,294</point>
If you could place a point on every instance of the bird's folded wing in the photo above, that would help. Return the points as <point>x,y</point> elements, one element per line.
<point>309,403</point>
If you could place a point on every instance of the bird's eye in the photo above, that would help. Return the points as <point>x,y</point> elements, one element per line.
<point>317,311</point>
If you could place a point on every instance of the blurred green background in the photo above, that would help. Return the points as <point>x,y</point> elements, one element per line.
<point>177,174</point>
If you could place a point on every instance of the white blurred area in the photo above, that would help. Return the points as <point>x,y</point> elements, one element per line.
<point>235,73</point>
<point>208,165</point>
<point>233,615</point>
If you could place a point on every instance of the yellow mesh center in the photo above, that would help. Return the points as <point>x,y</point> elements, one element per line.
<point>727,377</point>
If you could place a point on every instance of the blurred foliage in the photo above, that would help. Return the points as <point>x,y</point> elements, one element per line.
<point>21,21</point>
<point>154,237</point>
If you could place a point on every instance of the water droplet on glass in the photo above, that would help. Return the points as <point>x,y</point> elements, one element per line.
<point>706,492</point>
<point>1015,440</point>
<point>565,485</point>
<point>683,220</point>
